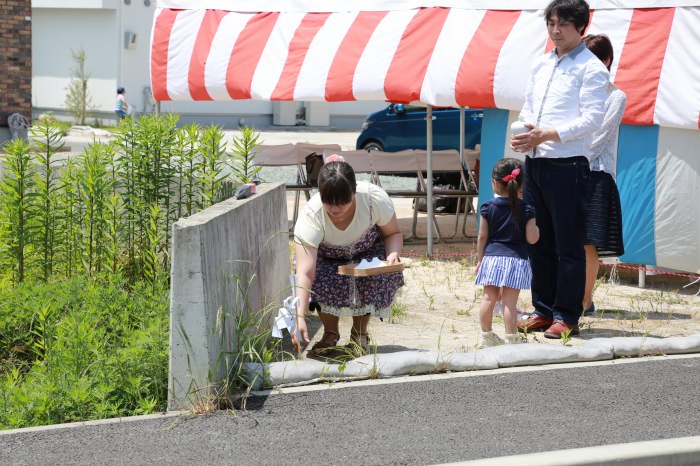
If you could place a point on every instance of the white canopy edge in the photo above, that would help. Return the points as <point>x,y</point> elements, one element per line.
<point>332,6</point>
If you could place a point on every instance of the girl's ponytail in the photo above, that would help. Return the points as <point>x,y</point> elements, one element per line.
<point>509,173</point>
<point>513,186</point>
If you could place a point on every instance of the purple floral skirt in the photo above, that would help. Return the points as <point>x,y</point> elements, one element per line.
<point>347,295</point>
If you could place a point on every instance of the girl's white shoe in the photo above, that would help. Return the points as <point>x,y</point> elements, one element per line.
<point>514,338</point>
<point>489,339</point>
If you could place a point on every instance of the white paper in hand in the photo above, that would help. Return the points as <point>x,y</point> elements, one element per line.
<point>286,318</point>
<point>365,264</point>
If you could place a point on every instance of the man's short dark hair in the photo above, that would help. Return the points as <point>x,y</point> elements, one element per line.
<point>574,11</point>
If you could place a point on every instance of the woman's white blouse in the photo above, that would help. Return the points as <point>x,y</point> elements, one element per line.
<point>604,147</point>
<point>314,225</point>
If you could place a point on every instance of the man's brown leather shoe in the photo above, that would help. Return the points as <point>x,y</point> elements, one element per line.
<point>534,323</point>
<point>559,328</point>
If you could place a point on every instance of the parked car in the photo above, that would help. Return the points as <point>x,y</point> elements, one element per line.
<point>399,127</point>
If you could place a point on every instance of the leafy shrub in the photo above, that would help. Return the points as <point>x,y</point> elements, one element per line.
<point>82,349</point>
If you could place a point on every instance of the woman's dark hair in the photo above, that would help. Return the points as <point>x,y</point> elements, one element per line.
<point>120,90</point>
<point>574,11</point>
<point>601,47</point>
<point>510,174</point>
<point>336,183</point>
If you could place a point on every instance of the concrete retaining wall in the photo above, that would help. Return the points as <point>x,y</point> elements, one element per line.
<point>233,256</point>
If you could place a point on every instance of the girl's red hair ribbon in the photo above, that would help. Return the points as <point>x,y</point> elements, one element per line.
<point>513,175</point>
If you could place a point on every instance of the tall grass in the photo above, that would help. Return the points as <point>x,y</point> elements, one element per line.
<point>84,264</point>
<point>94,211</point>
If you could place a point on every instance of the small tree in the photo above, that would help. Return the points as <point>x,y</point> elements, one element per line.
<point>78,99</point>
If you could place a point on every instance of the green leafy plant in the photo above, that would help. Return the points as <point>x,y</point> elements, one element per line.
<point>243,155</point>
<point>17,188</point>
<point>48,140</point>
<point>212,151</point>
<point>82,348</point>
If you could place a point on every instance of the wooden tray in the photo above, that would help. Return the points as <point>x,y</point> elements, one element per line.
<point>351,269</point>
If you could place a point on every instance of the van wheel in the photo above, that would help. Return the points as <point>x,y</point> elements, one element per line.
<point>373,146</point>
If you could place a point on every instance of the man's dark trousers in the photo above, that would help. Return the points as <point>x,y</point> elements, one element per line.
<point>557,189</point>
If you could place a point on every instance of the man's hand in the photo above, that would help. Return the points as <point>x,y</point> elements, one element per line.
<point>525,142</point>
<point>522,142</point>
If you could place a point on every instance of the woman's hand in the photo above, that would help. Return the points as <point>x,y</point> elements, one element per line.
<point>306,273</point>
<point>393,240</point>
<point>301,330</point>
<point>393,258</point>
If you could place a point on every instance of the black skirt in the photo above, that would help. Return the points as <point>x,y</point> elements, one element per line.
<point>604,216</point>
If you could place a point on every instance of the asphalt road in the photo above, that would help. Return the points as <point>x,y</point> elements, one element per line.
<point>446,419</point>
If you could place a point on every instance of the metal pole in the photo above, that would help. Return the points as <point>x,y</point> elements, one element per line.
<point>429,187</point>
<point>461,136</point>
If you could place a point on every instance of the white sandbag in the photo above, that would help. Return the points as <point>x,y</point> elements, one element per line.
<point>680,345</point>
<point>300,372</point>
<point>648,346</point>
<point>535,354</point>
<point>471,361</point>
<point>401,363</point>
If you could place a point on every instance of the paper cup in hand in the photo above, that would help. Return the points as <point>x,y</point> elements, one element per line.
<point>518,127</point>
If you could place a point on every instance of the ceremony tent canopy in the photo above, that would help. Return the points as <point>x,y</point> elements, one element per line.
<point>474,53</point>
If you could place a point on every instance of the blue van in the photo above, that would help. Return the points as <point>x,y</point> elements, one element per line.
<point>400,127</point>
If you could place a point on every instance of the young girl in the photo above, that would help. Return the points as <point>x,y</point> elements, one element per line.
<point>507,222</point>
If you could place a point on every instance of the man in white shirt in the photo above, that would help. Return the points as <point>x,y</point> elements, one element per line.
<point>564,106</point>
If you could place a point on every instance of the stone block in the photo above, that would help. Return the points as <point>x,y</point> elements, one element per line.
<point>229,259</point>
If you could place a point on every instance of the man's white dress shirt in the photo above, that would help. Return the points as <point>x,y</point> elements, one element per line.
<point>568,94</point>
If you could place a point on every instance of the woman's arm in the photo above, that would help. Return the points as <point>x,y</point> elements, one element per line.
<point>306,273</point>
<point>611,122</point>
<point>393,240</point>
<point>532,231</point>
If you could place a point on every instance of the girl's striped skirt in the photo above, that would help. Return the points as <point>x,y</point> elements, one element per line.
<point>512,272</point>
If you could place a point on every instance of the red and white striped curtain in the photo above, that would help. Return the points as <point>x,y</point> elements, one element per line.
<point>439,53</point>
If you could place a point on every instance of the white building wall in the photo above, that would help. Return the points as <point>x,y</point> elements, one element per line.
<point>55,32</point>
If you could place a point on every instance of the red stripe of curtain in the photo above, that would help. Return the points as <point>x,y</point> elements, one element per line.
<point>246,54</point>
<point>642,57</point>
<point>298,47</point>
<point>342,70</point>
<point>202,47</point>
<point>406,73</point>
<point>159,54</point>
<point>474,84</point>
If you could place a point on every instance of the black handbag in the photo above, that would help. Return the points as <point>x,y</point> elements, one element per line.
<point>314,164</point>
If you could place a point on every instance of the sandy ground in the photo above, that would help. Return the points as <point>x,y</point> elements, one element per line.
<point>438,308</point>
